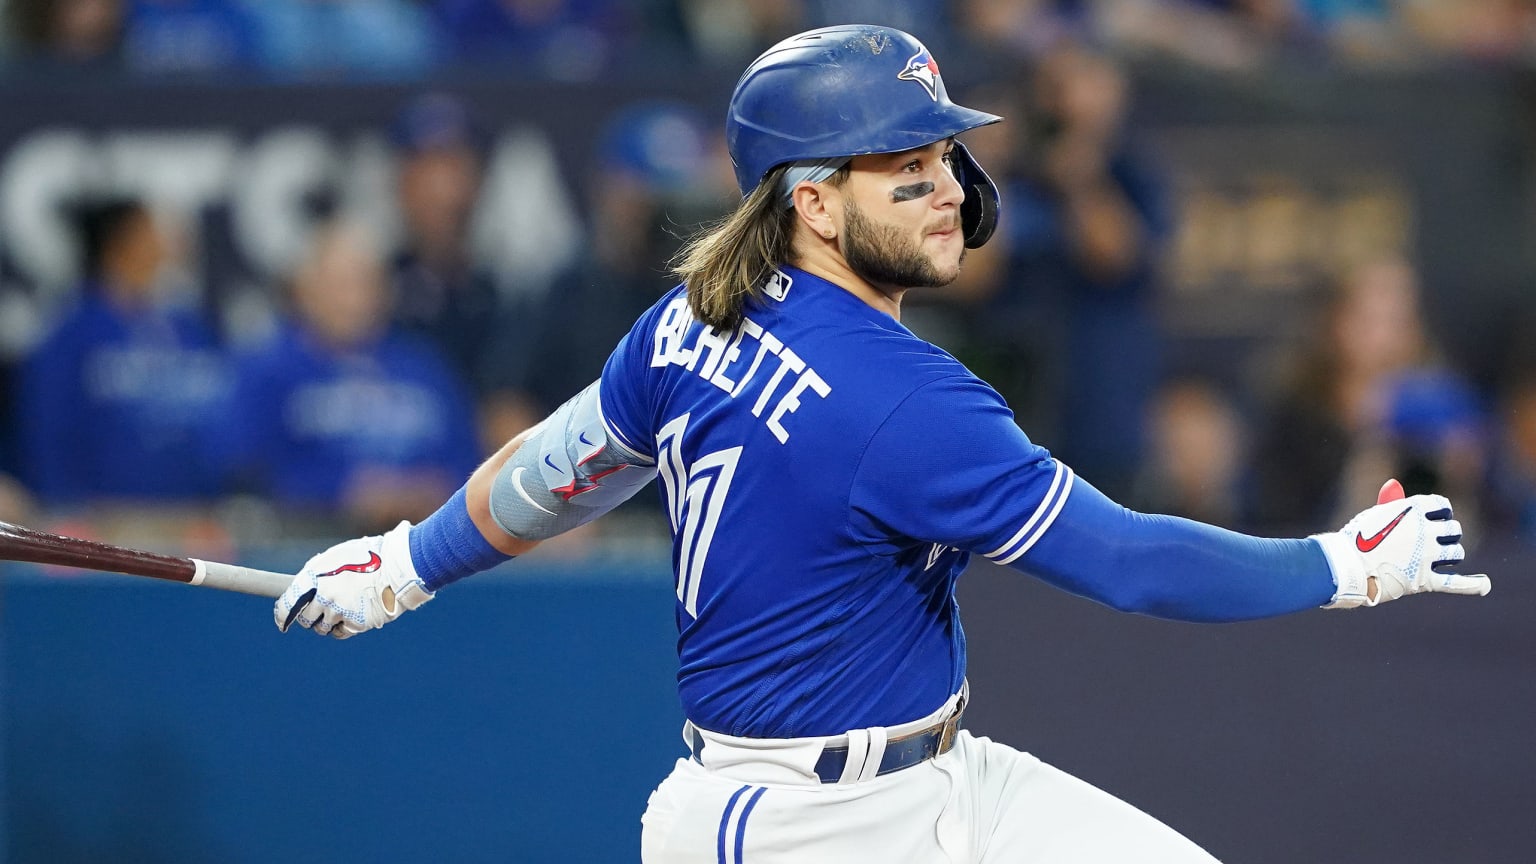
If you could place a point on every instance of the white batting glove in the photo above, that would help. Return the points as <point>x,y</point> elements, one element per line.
<point>1400,546</point>
<point>351,587</point>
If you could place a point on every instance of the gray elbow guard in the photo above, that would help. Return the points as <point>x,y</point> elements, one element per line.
<point>569,472</point>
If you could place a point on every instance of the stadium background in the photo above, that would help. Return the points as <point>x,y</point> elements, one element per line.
<point>526,716</point>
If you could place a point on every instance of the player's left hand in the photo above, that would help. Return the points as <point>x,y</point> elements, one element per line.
<point>1400,546</point>
<point>353,587</point>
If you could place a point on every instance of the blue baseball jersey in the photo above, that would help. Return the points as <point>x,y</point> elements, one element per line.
<point>827,474</point>
<point>121,402</point>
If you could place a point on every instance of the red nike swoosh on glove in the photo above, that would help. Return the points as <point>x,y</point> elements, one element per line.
<point>1366,544</point>
<point>373,563</point>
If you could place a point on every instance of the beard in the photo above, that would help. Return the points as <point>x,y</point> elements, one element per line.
<point>881,255</point>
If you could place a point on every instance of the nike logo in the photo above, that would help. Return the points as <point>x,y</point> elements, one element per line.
<point>517,483</point>
<point>368,566</point>
<point>1366,544</point>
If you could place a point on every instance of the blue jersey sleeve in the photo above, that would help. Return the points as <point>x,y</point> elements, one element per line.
<point>622,391</point>
<point>949,466</point>
<point>1175,568</point>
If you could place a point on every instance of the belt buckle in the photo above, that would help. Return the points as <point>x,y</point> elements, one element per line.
<point>947,734</point>
<point>951,727</point>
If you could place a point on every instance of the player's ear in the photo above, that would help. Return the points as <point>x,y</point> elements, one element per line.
<point>817,205</point>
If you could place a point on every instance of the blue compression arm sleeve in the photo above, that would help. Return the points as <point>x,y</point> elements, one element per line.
<point>1175,568</point>
<point>447,546</point>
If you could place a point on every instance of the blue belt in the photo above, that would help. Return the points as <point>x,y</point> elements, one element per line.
<point>904,752</point>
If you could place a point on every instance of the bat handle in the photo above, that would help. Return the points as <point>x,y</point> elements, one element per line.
<point>246,580</point>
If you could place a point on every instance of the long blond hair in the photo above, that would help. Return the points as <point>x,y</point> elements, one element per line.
<point>726,263</point>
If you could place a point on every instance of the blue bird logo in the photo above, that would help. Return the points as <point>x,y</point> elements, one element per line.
<point>922,69</point>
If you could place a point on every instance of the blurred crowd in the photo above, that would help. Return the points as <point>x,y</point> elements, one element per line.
<point>393,362</point>
<point>1065,312</point>
<point>591,39</point>
<point>399,359</point>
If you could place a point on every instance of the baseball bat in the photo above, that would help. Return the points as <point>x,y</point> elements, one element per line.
<point>38,547</point>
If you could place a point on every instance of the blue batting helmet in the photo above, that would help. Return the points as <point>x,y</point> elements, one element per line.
<point>847,91</point>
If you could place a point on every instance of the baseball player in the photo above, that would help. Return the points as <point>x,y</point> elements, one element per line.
<point>828,476</point>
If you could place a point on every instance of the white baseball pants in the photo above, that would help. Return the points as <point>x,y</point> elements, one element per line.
<point>980,803</point>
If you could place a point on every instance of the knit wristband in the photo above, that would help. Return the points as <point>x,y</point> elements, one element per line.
<point>447,546</point>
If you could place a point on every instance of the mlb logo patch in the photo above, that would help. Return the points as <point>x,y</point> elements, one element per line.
<point>777,285</point>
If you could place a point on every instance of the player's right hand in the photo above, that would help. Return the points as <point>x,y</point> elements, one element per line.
<point>1400,546</point>
<point>353,587</point>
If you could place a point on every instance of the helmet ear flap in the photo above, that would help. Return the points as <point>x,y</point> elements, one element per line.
<point>978,212</point>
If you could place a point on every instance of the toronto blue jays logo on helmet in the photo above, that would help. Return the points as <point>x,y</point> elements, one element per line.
<point>922,69</point>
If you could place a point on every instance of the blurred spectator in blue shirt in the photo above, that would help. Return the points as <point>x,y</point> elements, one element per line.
<point>1435,422</point>
<point>440,291</point>
<point>176,36</point>
<point>570,40</point>
<point>341,416</point>
<point>119,401</point>
<point>344,38</point>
